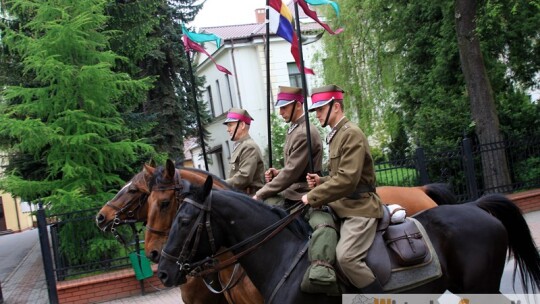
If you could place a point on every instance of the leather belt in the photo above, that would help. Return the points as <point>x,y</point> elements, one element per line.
<point>356,194</point>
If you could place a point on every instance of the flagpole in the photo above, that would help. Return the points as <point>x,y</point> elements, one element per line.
<point>199,124</point>
<point>268,84</point>
<point>304,86</point>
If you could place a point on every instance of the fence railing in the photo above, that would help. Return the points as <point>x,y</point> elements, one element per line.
<point>462,167</point>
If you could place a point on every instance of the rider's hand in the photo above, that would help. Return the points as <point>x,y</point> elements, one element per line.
<point>313,180</point>
<point>255,197</point>
<point>304,199</point>
<point>270,174</point>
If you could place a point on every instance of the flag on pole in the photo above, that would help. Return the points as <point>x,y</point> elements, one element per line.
<point>190,40</point>
<point>313,15</point>
<point>281,24</point>
<point>201,37</point>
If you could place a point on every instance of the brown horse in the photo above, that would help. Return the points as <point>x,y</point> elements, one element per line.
<point>236,285</point>
<point>130,205</point>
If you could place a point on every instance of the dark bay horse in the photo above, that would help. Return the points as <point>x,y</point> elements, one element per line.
<point>471,241</point>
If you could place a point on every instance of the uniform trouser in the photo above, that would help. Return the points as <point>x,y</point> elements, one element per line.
<point>357,234</point>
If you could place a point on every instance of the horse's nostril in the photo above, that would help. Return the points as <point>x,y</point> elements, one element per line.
<point>162,275</point>
<point>100,218</point>
<point>154,256</point>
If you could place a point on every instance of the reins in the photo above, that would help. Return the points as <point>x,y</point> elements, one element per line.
<point>209,263</point>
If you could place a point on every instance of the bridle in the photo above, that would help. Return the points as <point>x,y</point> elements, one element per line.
<point>178,185</point>
<point>211,264</point>
<point>131,214</point>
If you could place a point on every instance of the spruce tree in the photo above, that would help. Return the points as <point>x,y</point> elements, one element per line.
<point>67,119</point>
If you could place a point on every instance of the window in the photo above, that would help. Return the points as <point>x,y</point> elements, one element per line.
<point>220,99</point>
<point>295,78</point>
<point>210,100</point>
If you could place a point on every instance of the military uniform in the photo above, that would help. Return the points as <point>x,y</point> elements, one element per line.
<point>246,171</point>
<point>350,191</point>
<point>291,180</point>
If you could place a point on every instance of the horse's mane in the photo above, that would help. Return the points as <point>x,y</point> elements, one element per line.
<point>215,177</point>
<point>299,226</point>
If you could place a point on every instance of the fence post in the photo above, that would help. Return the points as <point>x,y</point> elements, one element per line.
<point>46,254</point>
<point>421,166</point>
<point>468,164</point>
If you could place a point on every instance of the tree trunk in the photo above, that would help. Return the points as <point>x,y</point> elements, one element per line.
<point>484,113</point>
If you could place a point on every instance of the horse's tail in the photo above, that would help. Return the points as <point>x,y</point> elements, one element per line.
<point>521,243</point>
<point>440,193</point>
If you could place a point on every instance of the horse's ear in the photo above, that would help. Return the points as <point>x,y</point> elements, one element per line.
<point>208,185</point>
<point>148,170</point>
<point>152,163</point>
<point>169,169</point>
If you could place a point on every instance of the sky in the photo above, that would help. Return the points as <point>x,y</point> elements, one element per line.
<point>221,12</point>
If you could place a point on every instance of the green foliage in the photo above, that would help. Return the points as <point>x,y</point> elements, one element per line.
<point>388,176</point>
<point>279,131</point>
<point>67,118</point>
<point>528,171</point>
<point>399,64</point>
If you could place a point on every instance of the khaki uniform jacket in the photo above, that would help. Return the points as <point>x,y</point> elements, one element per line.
<point>291,180</point>
<point>351,166</point>
<point>246,171</point>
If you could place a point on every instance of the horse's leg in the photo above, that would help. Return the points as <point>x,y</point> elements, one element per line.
<point>194,291</point>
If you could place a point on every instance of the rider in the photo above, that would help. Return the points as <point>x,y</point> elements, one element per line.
<point>349,189</point>
<point>246,171</point>
<point>290,181</point>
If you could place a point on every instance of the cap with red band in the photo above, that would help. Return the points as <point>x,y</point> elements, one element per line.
<point>235,114</point>
<point>323,95</point>
<point>288,95</point>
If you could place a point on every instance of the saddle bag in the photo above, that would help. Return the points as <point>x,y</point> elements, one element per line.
<point>406,242</point>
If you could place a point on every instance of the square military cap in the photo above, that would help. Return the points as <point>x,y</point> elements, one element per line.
<point>323,95</point>
<point>236,114</point>
<point>288,95</point>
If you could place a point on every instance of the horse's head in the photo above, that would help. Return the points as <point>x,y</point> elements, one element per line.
<point>191,238</point>
<point>167,189</point>
<point>129,204</point>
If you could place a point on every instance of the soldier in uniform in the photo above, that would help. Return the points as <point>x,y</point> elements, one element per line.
<point>290,182</point>
<point>349,189</point>
<point>246,165</point>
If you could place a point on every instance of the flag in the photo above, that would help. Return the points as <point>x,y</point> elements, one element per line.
<point>191,45</point>
<point>192,39</point>
<point>201,37</point>
<point>281,24</point>
<point>313,15</point>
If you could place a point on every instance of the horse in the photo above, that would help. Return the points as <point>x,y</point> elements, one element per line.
<point>471,241</point>
<point>130,205</point>
<point>159,218</point>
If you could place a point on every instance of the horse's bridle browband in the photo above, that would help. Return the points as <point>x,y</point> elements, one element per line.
<point>209,264</point>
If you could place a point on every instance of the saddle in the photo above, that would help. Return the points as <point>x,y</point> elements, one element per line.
<point>397,247</point>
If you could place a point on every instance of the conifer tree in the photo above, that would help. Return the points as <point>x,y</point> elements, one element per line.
<point>67,119</point>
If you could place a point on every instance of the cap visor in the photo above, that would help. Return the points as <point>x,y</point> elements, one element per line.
<point>319,104</point>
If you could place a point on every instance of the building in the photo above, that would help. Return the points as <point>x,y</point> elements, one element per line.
<point>243,53</point>
<point>15,216</point>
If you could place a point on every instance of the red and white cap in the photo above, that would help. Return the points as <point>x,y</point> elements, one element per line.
<point>236,114</point>
<point>323,95</point>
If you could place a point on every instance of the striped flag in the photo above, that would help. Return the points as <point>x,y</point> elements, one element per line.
<point>281,24</point>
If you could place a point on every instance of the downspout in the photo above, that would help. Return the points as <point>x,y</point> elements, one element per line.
<point>236,75</point>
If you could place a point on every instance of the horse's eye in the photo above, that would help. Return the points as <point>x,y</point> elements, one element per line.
<point>184,221</point>
<point>132,190</point>
<point>164,204</point>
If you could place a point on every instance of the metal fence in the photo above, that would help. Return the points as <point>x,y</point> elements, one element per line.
<point>462,167</point>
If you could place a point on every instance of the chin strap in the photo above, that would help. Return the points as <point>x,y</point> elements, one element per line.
<point>235,130</point>
<point>328,114</point>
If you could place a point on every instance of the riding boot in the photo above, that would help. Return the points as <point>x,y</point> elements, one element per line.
<point>373,288</point>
